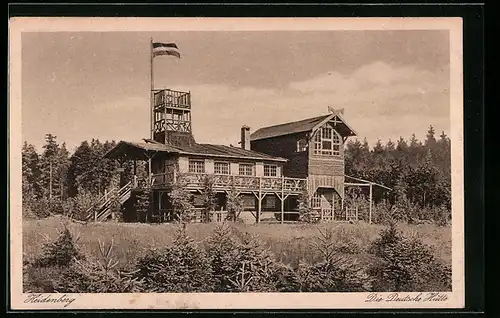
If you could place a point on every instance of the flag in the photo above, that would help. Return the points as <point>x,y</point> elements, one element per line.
<point>165,49</point>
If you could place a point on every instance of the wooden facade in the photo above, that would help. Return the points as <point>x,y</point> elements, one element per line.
<point>270,169</point>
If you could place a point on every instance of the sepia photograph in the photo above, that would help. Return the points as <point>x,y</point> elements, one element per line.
<point>236,163</point>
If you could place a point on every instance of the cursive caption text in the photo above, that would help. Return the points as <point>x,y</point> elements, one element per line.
<point>402,297</point>
<point>63,299</point>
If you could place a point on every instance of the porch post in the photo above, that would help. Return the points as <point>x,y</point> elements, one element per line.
<point>333,206</point>
<point>282,200</point>
<point>259,203</point>
<point>150,172</point>
<point>159,206</point>
<point>370,210</point>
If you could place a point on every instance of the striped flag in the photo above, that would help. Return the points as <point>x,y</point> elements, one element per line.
<point>165,49</point>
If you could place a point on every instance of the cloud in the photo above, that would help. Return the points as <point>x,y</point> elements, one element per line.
<point>380,100</point>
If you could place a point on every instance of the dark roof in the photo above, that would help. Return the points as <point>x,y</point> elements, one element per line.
<point>300,126</point>
<point>226,151</point>
<point>142,150</point>
<point>288,128</point>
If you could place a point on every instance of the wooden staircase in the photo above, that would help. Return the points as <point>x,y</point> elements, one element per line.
<point>102,209</point>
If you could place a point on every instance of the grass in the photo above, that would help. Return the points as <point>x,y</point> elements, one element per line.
<point>289,242</point>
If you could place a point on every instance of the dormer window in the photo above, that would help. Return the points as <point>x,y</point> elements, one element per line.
<point>327,142</point>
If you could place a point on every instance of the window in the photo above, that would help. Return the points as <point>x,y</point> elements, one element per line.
<point>221,167</point>
<point>246,169</point>
<point>197,166</point>
<point>327,142</point>
<point>270,170</point>
<point>301,145</point>
<point>316,201</point>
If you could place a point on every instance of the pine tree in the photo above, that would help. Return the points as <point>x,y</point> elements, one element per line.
<point>353,156</point>
<point>88,170</point>
<point>390,146</point>
<point>49,165</point>
<point>62,169</point>
<point>415,150</point>
<point>80,169</point>
<point>378,149</point>
<point>443,154</point>
<point>402,145</point>
<point>430,142</point>
<point>424,180</point>
<point>31,172</point>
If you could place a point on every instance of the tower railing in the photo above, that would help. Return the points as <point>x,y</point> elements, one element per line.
<point>171,98</point>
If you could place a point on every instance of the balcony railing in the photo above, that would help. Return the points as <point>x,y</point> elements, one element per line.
<point>195,181</point>
<point>171,98</point>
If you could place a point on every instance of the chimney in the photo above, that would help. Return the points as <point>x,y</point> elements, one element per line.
<point>245,137</point>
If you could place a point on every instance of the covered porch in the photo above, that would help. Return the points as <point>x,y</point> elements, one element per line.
<point>352,205</point>
<point>139,153</point>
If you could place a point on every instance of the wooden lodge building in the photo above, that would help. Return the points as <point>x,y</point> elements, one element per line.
<point>270,169</point>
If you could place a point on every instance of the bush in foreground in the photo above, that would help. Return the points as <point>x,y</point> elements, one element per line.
<point>97,276</point>
<point>60,252</point>
<point>406,264</point>
<point>181,267</point>
<point>234,261</point>
<point>240,262</point>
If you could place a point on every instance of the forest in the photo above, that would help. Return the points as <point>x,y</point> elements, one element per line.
<point>55,181</point>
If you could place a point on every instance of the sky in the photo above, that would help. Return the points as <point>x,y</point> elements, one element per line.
<point>84,85</point>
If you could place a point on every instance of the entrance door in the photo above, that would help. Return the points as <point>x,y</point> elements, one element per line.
<point>324,203</point>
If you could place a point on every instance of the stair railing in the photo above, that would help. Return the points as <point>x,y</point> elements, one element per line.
<point>101,207</point>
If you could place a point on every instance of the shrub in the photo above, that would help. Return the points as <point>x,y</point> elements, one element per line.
<point>61,252</point>
<point>381,212</point>
<point>234,204</point>
<point>41,208</point>
<point>182,203</point>
<point>97,276</point>
<point>306,213</point>
<point>336,271</point>
<point>209,200</point>
<point>441,215</point>
<point>181,267</point>
<point>219,246</point>
<point>40,279</point>
<point>406,264</point>
<point>82,205</point>
<point>142,203</point>
<point>240,262</point>
<point>336,275</point>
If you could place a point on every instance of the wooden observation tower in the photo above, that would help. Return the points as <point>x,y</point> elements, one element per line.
<point>170,121</point>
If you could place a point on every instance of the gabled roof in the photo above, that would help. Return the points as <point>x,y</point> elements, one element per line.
<point>304,125</point>
<point>143,151</point>
<point>287,128</point>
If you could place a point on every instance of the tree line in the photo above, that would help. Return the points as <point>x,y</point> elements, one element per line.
<point>54,177</point>
<point>417,172</point>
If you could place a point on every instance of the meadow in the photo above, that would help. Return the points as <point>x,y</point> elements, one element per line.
<point>289,242</point>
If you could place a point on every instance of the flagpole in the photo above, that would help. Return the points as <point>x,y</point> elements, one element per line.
<point>151,94</point>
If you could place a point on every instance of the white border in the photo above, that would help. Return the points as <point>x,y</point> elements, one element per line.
<point>231,300</point>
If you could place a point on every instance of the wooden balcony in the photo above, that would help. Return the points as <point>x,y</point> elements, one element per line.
<point>195,181</point>
<point>171,99</point>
